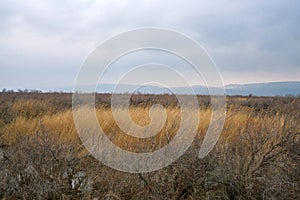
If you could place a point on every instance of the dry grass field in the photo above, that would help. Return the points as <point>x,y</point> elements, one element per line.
<point>42,157</point>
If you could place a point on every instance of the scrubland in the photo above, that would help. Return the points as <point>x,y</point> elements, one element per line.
<point>42,157</point>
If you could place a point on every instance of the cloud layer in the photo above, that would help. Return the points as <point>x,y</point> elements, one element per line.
<point>43,43</point>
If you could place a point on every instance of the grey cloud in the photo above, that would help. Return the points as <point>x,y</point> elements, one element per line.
<point>56,36</point>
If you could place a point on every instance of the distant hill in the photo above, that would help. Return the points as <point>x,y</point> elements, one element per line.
<point>265,89</point>
<point>258,89</point>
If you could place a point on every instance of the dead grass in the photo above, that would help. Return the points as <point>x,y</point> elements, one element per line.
<point>256,157</point>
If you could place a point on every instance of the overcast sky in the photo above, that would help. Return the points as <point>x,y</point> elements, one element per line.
<point>43,43</point>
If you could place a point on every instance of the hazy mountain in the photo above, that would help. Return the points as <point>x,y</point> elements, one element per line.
<point>258,89</point>
<point>265,89</point>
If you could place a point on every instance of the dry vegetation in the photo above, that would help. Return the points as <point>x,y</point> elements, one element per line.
<point>42,157</point>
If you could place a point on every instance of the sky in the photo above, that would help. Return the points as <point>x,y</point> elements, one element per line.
<point>44,43</point>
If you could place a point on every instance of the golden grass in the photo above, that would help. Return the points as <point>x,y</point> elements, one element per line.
<point>256,157</point>
<point>61,124</point>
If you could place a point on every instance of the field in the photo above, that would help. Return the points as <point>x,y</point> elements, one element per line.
<point>42,156</point>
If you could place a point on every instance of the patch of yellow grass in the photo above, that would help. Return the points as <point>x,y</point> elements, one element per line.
<point>61,125</point>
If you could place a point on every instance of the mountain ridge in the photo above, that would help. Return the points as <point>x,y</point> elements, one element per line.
<point>281,88</point>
